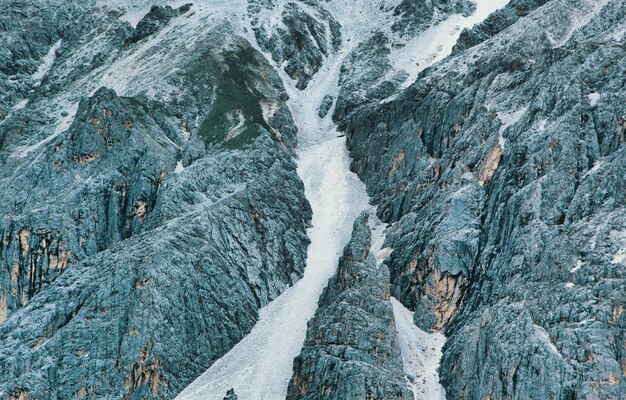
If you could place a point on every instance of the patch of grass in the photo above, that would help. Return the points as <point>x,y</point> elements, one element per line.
<point>235,93</point>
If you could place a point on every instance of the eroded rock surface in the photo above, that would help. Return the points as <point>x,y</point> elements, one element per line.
<point>351,351</point>
<point>499,170</point>
<point>143,223</point>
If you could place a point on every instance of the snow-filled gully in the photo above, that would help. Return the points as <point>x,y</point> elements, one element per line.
<point>260,366</point>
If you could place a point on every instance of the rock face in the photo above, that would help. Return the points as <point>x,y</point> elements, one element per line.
<point>142,228</point>
<point>351,351</point>
<point>155,20</point>
<point>300,39</point>
<point>414,16</point>
<point>504,189</point>
<point>150,203</point>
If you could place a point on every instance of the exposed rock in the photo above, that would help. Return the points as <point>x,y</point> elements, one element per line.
<point>351,351</point>
<point>496,22</point>
<point>123,276</point>
<point>300,40</point>
<point>502,233</point>
<point>415,16</point>
<point>326,105</point>
<point>155,20</point>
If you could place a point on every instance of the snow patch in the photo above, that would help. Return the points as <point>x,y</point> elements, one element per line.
<point>260,366</point>
<point>569,285</point>
<point>578,19</point>
<point>510,118</point>
<point>541,125</point>
<point>593,98</point>
<point>239,128</point>
<point>620,257</point>
<point>20,105</point>
<point>578,266</point>
<point>268,108</point>
<point>135,11</point>
<point>47,63</point>
<point>377,227</point>
<point>545,337</point>
<point>179,167</point>
<point>62,125</point>
<point>66,121</point>
<point>436,42</point>
<point>421,354</point>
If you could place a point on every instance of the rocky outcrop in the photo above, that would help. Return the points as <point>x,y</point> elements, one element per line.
<point>415,16</point>
<point>503,189</point>
<point>350,351</point>
<point>232,254</point>
<point>496,22</point>
<point>67,209</point>
<point>143,227</point>
<point>155,20</point>
<point>305,36</point>
<point>231,395</point>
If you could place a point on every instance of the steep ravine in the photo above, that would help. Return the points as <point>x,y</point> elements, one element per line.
<point>259,367</point>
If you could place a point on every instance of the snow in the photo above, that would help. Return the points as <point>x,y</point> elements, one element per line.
<point>511,118</point>
<point>378,239</point>
<point>20,105</point>
<point>593,98</point>
<point>260,365</point>
<point>578,266</point>
<point>63,124</point>
<point>541,125</point>
<point>142,70</point>
<point>569,285</point>
<point>508,119</point>
<point>620,257</point>
<point>65,121</point>
<point>136,10</point>
<point>545,338</point>
<point>436,42</point>
<point>179,167</point>
<point>421,354</point>
<point>47,63</point>
<point>578,19</point>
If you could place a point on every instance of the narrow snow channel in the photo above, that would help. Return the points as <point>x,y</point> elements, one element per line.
<point>421,353</point>
<point>260,366</point>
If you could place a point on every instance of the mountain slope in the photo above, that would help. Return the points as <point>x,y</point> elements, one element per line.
<point>501,172</point>
<point>176,192</point>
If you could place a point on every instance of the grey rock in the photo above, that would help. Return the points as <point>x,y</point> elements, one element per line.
<point>138,244</point>
<point>231,395</point>
<point>155,20</point>
<point>503,235</point>
<point>303,39</point>
<point>495,23</point>
<point>415,16</point>
<point>326,105</point>
<point>350,351</point>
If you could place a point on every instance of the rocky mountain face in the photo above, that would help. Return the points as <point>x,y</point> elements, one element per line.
<point>145,226</point>
<point>351,350</point>
<point>501,172</point>
<point>151,203</point>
